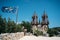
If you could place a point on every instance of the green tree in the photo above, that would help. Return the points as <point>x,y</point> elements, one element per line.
<point>1,22</point>
<point>9,25</point>
<point>13,26</point>
<point>4,25</point>
<point>52,32</point>
<point>26,25</point>
<point>19,28</point>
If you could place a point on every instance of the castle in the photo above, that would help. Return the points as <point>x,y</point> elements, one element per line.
<point>40,26</point>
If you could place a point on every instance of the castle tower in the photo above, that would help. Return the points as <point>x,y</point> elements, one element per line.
<point>44,23</point>
<point>34,22</point>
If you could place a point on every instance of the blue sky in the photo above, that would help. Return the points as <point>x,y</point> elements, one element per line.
<point>27,8</point>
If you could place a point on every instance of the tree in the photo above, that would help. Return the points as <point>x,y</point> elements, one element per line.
<point>26,25</point>
<point>1,22</point>
<point>4,25</point>
<point>13,26</point>
<point>19,28</point>
<point>52,32</point>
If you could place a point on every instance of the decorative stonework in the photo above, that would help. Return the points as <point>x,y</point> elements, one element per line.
<point>43,26</point>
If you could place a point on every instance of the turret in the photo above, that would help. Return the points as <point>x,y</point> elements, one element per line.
<point>34,19</point>
<point>44,19</point>
<point>44,23</point>
<point>34,22</point>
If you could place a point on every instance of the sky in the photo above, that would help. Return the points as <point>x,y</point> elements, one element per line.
<point>26,10</point>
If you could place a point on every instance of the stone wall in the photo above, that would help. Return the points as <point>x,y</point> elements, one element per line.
<point>11,36</point>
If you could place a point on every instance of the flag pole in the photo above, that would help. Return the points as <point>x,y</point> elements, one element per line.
<point>16,14</point>
<point>16,18</point>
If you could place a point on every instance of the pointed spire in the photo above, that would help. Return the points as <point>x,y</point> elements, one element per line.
<point>34,15</point>
<point>35,19</point>
<point>44,18</point>
<point>44,14</point>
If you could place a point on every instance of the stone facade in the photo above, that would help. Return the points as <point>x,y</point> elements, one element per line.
<point>40,26</point>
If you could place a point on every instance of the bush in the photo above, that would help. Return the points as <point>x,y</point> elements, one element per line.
<point>37,33</point>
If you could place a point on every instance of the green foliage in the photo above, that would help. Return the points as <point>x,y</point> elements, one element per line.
<point>37,33</point>
<point>19,28</point>
<point>8,26</point>
<point>2,24</point>
<point>53,31</point>
<point>26,25</point>
<point>50,32</point>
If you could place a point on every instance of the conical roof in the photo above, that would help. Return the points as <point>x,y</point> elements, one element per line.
<point>44,19</point>
<point>44,15</point>
<point>34,15</point>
